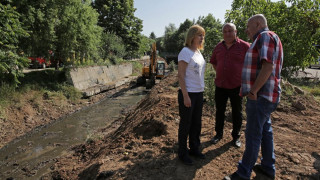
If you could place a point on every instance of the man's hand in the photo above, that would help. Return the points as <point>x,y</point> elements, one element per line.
<point>252,96</point>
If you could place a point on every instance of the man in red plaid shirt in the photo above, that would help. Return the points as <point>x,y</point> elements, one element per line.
<point>260,83</point>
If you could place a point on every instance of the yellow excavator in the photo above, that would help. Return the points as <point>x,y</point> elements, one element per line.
<point>152,71</point>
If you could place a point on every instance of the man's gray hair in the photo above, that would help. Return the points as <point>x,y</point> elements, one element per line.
<point>229,24</point>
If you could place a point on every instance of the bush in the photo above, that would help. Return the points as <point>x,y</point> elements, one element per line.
<point>209,85</point>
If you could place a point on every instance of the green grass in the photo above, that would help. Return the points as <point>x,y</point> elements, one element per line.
<point>36,87</point>
<point>311,86</point>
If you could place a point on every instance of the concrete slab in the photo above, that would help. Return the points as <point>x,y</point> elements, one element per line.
<point>93,80</point>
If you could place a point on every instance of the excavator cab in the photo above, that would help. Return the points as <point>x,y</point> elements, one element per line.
<point>160,69</point>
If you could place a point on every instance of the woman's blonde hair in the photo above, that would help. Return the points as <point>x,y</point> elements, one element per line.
<point>192,32</point>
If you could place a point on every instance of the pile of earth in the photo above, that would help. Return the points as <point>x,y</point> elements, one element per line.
<point>143,145</point>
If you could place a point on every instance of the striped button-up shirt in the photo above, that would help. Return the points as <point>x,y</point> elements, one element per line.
<point>266,46</point>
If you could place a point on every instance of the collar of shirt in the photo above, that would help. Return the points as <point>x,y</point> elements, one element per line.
<point>235,41</point>
<point>260,31</point>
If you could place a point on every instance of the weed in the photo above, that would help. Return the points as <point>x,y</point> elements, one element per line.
<point>7,92</point>
<point>70,92</point>
<point>172,66</point>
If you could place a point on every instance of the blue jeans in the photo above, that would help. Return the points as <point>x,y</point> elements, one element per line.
<point>258,132</point>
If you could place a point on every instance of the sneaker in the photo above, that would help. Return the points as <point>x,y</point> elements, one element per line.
<point>237,142</point>
<point>216,139</point>
<point>234,176</point>
<point>197,154</point>
<point>258,169</point>
<point>186,160</point>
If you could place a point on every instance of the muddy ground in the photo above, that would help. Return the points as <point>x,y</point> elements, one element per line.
<point>143,145</point>
<point>29,113</point>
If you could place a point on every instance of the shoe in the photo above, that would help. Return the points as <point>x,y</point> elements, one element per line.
<point>234,176</point>
<point>258,169</point>
<point>237,142</point>
<point>197,154</point>
<point>215,139</point>
<point>186,160</point>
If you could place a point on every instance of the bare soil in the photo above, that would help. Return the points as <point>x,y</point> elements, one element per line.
<point>143,145</point>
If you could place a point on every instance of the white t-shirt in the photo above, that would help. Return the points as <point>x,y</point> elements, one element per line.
<point>195,70</point>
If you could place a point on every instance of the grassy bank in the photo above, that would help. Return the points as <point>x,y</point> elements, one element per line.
<point>35,87</point>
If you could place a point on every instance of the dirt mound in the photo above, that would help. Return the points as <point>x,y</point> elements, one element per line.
<point>144,143</point>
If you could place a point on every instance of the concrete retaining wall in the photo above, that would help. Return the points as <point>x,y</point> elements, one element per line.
<point>92,80</point>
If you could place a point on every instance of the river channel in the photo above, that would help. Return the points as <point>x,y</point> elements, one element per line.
<point>31,156</point>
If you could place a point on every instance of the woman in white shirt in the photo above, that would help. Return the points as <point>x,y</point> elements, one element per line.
<point>191,67</point>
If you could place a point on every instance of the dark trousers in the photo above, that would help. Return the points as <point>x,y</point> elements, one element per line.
<point>221,98</point>
<point>190,123</point>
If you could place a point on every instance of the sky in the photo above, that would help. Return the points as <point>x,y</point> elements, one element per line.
<point>157,14</point>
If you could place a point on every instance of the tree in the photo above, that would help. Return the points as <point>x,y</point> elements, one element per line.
<point>112,46</point>
<point>296,24</point>
<point>77,33</point>
<point>39,19</point>
<point>67,27</point>
<point>152,36</point>
<point>174,38</point>
<point>117,16</point>
<point>11,62</point>
<point>213,28</point>
<point>145,45</point>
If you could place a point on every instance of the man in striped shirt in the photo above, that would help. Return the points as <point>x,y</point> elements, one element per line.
<point>260,83</point>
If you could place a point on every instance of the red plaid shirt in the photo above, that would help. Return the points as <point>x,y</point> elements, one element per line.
<point>266,46</point>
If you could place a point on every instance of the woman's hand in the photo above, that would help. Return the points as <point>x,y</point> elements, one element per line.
<point>187,101</point>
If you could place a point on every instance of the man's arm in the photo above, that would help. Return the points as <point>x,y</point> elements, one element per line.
<point>262,78</point>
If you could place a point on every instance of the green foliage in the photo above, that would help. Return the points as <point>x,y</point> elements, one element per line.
<point>118,17</point>
<point>11,64</point>
<point>112,45</point>
<point>49,81</point>
<point>173,40</point>
<point>152,36</point>
<point>68,28</point>
<point>145,45</point>
<point>10,28</point>
<point>297,25</point>
<point>70,92</point>
<point>78,33</point>
<point>209,91</point>
<point>136,68</point>
<point>213,28</point>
